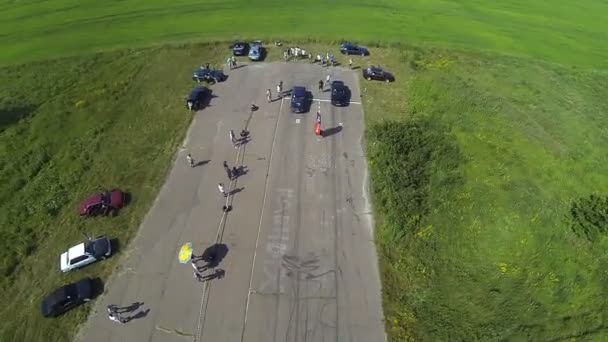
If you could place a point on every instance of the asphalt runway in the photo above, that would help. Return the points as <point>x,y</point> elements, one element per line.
<point>295,259</point>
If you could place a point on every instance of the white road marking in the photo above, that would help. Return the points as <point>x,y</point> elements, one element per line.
<point>257,239</point>
<point>323,100</point>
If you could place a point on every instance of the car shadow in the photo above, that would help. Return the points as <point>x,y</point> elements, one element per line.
<point>98,287</point>
<point>206,102</point>
<point>331,131</point>
<point>115,245</point>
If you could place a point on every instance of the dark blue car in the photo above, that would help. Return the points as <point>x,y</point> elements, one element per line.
<point>299,100</point>
<point>208,75</point>
<point>196,98</point>
<point>240,49</point>
<point>352,49</point>
<point>340,94</point>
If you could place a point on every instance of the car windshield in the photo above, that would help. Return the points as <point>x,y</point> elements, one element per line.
<point>89,247</point>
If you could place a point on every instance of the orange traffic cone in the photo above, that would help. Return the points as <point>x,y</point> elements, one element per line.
<point>317,128</point>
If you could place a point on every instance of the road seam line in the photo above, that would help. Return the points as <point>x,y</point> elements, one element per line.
<point>257,239</point>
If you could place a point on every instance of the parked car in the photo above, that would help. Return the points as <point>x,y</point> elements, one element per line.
<point>196,99</point>
<point>298,100</point>
<point>255,52</point>
<point>240,48</point>
<point>340,94</point>
<point>378,74</point>
<point>208,75</point>
<point>67,297</point>
<point>102,203</point>
<point>85,253</point>
<point>352,49</point>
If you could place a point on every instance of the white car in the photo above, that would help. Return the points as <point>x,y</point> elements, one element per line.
<point>85,253</point>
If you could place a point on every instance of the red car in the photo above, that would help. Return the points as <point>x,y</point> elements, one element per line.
<point>102,203</point>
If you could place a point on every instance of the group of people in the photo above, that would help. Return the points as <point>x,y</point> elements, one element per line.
<point>231,62</point>
<point>279,92</point>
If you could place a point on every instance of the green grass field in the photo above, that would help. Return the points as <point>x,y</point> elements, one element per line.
<point>483,154</point>
<point>561,31</point>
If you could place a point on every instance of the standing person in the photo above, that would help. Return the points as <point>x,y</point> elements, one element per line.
<point>350,63</point>
<point>235,172</point>
<point>113,316</point>
<point>280,89</point>
<point>320,85</point>
<point>233,139</point>
<point>327,79</point>
<point>327,56</point>
<point>268,95</point>
<point>190,160</point>
<point>229,63</point>
<point>220,187</point>
<point>207,66</point>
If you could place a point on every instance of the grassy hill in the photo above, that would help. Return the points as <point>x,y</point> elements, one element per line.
<point>482,181</point>
<point>565,32</point>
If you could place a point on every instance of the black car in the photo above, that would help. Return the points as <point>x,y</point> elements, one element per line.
<point>240,49</point>
<point>378,74</point>
<point>340,94</point>
<point>208,75</point>
<point>352,49</point>
<point>196,99</point>
<point>298,100</point>
<point>67,297</point>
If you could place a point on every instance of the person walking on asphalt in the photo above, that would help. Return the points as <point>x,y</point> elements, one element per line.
<point>268,95</point>
<point>327,79</point>
<point>350,63</point>
<point>320,86</point>
<point>190,160</point>
<point>280,89</point>
<point>220,187</point>
<point>233,139</point>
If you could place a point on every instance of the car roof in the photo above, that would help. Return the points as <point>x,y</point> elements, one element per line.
<point>76,251</point>
<point>196,91</point>
<point>93,199</point>
<point>299,91</point>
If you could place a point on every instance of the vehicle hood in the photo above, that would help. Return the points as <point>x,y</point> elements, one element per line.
<point>63,261</point>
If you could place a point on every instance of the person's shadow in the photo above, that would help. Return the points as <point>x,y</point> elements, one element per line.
<point>213,255</point>
<point>140,314</point>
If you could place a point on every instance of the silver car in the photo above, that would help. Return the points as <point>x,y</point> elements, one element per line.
<point>255,51</point>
